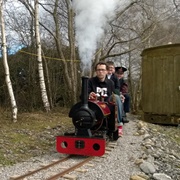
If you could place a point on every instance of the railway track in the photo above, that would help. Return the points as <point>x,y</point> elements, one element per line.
<point>61,170</point>
<point>61,174</point>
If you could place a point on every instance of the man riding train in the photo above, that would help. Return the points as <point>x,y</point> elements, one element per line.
<point>101,83</point>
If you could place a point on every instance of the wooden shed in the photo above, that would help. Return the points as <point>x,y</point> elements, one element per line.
<point>161,84</point>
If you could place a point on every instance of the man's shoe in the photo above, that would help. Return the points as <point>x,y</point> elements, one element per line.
<point>120,132</point>
<point>124,120</point>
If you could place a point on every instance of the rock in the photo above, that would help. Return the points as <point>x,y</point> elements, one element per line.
<point>147,136</point>
<point>136,134</point>
<point>138,161</point>
<point>161,153</point>
<point>136,177</point>
<point>140,125</point>
<point>144,176</point>
<point>147,168</point>
<point>141,131</point>
<point>161,176</point>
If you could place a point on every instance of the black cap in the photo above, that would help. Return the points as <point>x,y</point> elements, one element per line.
<point>120,69</point>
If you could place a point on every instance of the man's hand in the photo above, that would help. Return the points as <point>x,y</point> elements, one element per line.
<point>92,95</point>
<point>122,98</point>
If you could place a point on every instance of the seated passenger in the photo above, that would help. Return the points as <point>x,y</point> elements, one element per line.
<point>111,75</point>
<point>119,71</point>
<point>101,85</point>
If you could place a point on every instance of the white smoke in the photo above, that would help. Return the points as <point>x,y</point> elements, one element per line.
<point>90,21</point>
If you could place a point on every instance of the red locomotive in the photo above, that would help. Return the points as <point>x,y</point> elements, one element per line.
<point>95,122</point>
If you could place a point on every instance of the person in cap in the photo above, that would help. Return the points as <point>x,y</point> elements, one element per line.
<point>119,71</point>
<point>101,85</point>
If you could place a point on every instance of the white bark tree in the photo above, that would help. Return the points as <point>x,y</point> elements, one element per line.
<point>6,67</point>
<point>40,64</point>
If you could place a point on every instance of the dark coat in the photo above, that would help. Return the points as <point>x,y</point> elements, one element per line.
<point>115,79</point>
<point>123,86</point>
<point>105,88</point>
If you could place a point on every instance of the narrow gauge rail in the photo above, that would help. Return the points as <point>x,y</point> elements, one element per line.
<point>70,169</point>
<point>42,168</point>
<point>60,174</point>
<point>109,147</point>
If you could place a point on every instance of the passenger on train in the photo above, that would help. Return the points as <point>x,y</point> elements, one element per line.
<point>111,75</point>
<point>119,71</point>
<point>100,85</point>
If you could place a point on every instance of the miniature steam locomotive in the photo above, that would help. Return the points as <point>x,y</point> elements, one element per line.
<point>95,122</point>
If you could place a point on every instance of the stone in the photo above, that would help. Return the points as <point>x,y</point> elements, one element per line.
<point>136,177</point>
<point>161,176</point>
<point>138,161</point>
<point>147,168</point>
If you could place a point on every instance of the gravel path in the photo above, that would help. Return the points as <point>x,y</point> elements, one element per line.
<point>119,165</point>
<point>141,153</point>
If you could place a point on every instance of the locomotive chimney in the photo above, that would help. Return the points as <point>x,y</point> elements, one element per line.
<point>84,92</point>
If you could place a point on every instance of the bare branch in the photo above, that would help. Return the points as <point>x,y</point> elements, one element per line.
<point>175,4</point>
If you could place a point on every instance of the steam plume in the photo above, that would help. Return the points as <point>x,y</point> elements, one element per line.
<point>91,18</point>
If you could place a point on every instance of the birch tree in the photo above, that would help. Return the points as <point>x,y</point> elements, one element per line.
<point>6,67</point>
<point>40,64</point>
<point>69,66</point>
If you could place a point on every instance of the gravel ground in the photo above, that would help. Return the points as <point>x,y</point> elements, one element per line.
<point>119,164</point>
<point>140,154</point>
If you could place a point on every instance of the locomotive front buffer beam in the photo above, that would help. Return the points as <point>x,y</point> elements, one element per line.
<point>80,145</point>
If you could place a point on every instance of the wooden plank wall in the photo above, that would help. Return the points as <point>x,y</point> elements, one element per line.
<point>177,84</point>
<point>157,85</point>
<point>161,79</point>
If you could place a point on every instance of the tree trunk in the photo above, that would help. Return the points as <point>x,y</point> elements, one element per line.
<point>70,67</point>
<point>71,36</point>
<point>6,67</point>
<point>40,65</point>
<point>48,81</point>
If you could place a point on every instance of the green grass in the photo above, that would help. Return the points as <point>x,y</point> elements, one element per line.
<point>32,135</point>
